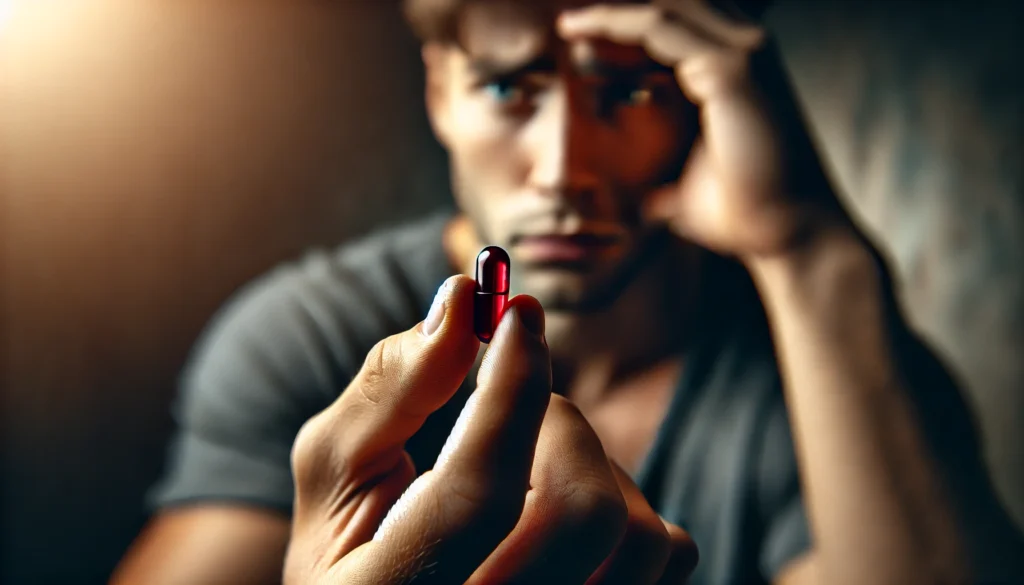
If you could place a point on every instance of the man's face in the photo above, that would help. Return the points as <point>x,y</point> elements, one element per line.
<point>554,145</point>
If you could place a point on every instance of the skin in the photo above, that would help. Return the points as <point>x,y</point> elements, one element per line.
<point>531,156</point>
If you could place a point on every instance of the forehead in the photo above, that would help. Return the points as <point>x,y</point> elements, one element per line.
<point>514,31</point>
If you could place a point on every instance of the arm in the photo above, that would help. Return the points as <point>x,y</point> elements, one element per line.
<point>208,544</point>
<point>875,498</point>
<point>891,497</point>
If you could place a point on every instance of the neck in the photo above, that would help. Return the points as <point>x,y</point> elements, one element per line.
<point>645,327</point>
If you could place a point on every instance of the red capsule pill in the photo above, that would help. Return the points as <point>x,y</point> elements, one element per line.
<point>492,283</point>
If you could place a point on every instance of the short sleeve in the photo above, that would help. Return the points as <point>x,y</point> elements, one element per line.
<point>786,535</point>
<point>282,350</point>
<point>787,538</point>
<point>262,368</point>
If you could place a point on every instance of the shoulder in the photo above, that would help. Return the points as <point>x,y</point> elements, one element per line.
<point>329,304</point>
<point>281,350</point>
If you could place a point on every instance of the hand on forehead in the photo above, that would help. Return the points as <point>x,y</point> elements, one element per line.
<point>509,34</point>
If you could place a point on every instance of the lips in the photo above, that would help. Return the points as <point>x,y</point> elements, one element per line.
<point>554,248</point>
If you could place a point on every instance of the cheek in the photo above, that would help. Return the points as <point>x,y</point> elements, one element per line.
<point>487,165</point>
<point>480,143</point>
<point>649,148</point>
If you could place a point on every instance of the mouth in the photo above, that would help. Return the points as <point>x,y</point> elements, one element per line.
<point>558,248</point>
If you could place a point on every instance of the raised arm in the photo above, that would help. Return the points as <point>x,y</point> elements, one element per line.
<point>864,396</point>
<point>877,504</point>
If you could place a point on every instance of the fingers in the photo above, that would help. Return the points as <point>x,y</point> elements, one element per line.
<point>454,516</point>
<point>574,514</point>
<point>404,379</point>
<point>677,28</point>
<point>652,551</point>
<point>709,52</point>
<point>683,556</point>
<point>643,25</point>
<point>499,425</point>
<point>642,553</point>
<point>702,16</point>
<point>349,461</point>
<point>621,24</point>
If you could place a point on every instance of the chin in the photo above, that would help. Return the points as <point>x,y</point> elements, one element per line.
<point>556,291</point>
<point>567,291</point>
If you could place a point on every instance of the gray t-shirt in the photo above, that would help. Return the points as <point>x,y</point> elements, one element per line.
<point>722,464</point>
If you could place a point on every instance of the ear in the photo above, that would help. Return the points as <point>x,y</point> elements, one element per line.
<point>436,63</point>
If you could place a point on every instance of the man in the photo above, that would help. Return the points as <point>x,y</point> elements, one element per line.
<point>694,296</point>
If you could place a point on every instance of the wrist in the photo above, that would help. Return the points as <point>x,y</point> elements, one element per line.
<point>832,263</point>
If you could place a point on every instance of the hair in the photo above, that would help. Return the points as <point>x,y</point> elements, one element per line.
<point>433,20</point>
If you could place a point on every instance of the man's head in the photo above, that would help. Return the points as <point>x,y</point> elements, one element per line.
<point>553,145</point>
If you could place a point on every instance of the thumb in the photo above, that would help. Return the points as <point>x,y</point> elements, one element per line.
<point>349,461</point>
<point>406,377</point>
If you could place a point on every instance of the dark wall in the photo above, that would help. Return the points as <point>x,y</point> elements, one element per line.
<point>155,155</point>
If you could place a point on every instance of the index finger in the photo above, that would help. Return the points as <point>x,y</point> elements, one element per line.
<point>632,23</point>
<point>405,378</point>
<point>622,24</point>
<point>452,517</point>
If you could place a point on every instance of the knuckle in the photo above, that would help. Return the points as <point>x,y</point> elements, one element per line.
<point>573,434</point>
<point>474,490</point>
<point>383,368</point>
<point>310,451</point>
<point>466,499</point>
<point>468,492</point>
<point>593,506</point>
<point>590,497</point>
<point>563,409</point>
<point>754,37</point>
<point>683,552</point>
<point>375,371</point>
<point>647,539</point>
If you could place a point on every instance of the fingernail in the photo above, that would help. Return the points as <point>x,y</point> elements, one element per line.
<point>436,314</point>
<point>532,320</point>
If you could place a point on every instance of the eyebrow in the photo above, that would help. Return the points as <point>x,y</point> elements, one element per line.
<point>490,68</point>
<point>601,68</point>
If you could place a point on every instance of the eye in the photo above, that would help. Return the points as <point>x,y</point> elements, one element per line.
<point>630,93</point>
<point>505,91</point>
<point>640,96</point>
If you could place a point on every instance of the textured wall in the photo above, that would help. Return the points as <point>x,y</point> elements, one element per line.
<point>919,108</point>
<point>154,155</point>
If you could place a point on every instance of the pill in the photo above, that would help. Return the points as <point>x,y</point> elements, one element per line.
<point>492,283</point>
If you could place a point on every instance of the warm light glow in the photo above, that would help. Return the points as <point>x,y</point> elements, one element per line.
<point>6,10</point>
<point>14,13</point>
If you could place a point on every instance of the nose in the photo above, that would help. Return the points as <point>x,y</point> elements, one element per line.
<point>561,141</point>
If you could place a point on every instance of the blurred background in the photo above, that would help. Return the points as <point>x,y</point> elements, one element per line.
<point>157,154</point>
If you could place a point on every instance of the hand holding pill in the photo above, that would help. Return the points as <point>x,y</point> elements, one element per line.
<point>504,503</point>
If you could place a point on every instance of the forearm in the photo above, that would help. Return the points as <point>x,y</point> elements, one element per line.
<point>874,495</point>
